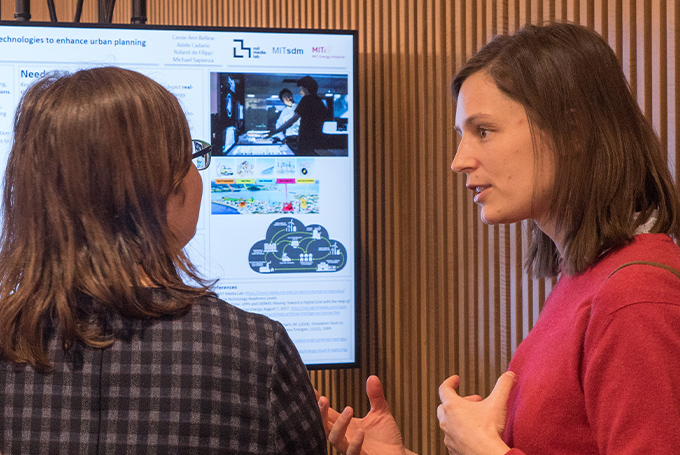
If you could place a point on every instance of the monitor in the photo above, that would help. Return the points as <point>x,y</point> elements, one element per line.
<point>277,227</point>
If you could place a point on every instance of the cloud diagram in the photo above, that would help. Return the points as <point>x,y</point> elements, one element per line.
<point>291,247</point>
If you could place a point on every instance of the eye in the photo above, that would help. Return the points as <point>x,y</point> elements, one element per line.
<point>483,132</point>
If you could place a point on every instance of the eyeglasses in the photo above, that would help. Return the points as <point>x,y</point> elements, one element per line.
<point>202,154</point>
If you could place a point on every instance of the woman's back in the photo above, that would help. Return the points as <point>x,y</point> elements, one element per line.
<point>216,380</point>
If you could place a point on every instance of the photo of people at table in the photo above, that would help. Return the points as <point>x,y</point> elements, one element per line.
<point>279,114</point>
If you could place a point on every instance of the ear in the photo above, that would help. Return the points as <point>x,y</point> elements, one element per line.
<point>175,204</point>
<point>179,193</point>
<point>175,210</point>
<point>183,205</point>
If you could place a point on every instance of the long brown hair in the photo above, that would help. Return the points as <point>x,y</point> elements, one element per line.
<point>609,163</point>
<point>96,154</point>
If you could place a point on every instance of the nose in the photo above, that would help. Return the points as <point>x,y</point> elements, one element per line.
<point>463,161</point>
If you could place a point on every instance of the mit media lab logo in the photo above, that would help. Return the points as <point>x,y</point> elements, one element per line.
<point>242,50</point>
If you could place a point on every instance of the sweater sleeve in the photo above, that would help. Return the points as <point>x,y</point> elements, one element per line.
<point>630,374</point>
<point>299,429</point>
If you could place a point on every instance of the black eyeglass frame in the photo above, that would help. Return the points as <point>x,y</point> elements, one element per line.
<point>205,151</point>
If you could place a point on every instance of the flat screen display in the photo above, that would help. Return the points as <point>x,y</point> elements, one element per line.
<point>277,225</point>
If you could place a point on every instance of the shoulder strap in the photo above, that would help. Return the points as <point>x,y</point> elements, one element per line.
<point>653,264</point>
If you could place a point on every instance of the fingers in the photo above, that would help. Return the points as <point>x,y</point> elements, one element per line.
<point>324,405</point>
<point>452,382</point>
<point>328,415</point>
<point>316,393</point>
<point>337,433</point>
<point>499,398</point>
<point>356,444</point>
<point>448,387</point>
<point>441,414</point>
<point>375,393</point>
<point>501,390</point>
<point>376,397</point>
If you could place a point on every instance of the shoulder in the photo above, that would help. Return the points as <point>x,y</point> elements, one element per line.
<point>223,317</point>
<point>634,281</point>
<point>304,102</point>
<point>310,102</point>
<point>617,278</point>
<point>224,310</point>
<point>638,302</point>
<point>641,272</point>
<point>215,325</point>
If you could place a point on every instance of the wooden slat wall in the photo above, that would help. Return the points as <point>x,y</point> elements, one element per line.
<point>66,10</point>
<point>441,292</point>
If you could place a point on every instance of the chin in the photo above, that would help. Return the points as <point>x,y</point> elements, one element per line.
<point>498,218</point>
<point>490,220</point>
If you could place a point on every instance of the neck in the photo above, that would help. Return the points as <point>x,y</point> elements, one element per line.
<point>548,228</point>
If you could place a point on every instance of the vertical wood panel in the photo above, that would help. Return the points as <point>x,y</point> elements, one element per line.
<point>441,293</point>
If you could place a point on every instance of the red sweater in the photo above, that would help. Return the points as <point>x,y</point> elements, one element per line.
<point>600,371</point>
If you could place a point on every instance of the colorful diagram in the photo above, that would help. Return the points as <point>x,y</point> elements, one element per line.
<point>264,196</point>
<point>291,247</point>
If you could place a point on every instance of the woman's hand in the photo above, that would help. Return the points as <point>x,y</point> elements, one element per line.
<point>375,434</point>
<point>471,425</point>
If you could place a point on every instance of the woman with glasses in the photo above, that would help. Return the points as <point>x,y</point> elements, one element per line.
<point>110,342</point>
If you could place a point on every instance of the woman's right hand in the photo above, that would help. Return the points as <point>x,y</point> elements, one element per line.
<point>375,434</point>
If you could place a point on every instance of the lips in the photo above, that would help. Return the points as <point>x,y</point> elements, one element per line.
<point>479,190</point>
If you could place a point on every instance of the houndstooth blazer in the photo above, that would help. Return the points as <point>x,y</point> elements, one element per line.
<point>216,380</point>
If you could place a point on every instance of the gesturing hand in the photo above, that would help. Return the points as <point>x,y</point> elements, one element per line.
<point>375,434</point>
<point>471,425</point>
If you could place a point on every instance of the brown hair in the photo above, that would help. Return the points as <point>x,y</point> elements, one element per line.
<point>96,154</point>
<point>609,163</point>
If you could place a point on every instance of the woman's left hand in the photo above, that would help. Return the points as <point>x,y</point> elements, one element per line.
<point>471,425</point>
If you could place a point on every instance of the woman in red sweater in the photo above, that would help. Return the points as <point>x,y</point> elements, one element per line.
<point>551,133</point>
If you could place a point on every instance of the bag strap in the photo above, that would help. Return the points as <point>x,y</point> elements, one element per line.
<point>653,264</point>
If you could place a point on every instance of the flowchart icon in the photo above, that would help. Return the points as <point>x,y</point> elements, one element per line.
<point>291,247</point>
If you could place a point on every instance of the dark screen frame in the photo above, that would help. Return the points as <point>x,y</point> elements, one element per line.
<point>355,59</point>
